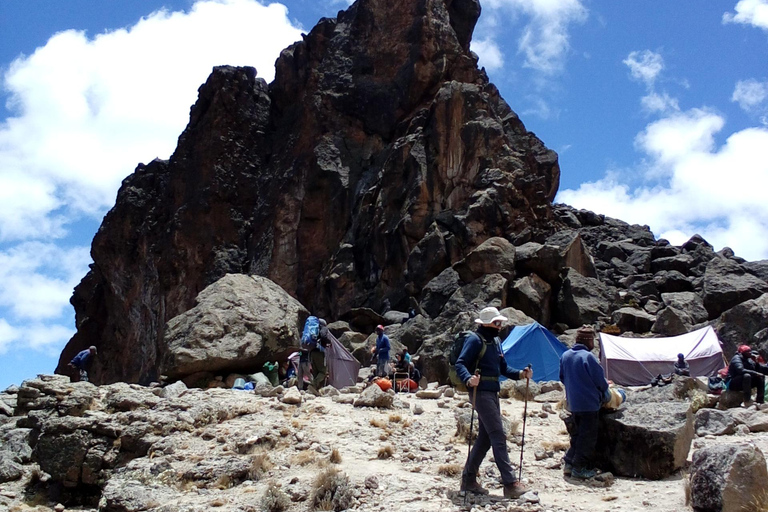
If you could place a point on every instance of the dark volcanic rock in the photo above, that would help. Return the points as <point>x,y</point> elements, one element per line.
<point>727,284</point>
<point>727,478</point>
<point>378,157</point>
<point>649,440</point>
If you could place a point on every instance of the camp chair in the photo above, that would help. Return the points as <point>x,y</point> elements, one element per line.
<point>402,385</point>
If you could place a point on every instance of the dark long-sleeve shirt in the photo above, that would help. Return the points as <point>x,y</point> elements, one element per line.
<point>584,379</point>
<point>492,365</point>
<point>741,365</point>
<point>382,347</point>
<point>81,359</point>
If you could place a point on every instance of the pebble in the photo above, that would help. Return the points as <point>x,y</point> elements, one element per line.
<point>59,507</point>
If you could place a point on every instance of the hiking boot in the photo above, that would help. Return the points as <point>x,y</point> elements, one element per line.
<point>514,491</point>
<point>583,473</point>
<point>473,487</point>
<point>567,469</point>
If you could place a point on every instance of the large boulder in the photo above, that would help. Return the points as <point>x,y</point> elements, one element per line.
<point>671,321</point>
<point>727,284</point>
<point>583,300</point>
<point>740,324</point>
<point>688,302</point>
<point>373,396</point>
<point>494,256</point>
<point>531,295</point>
<point>437,292</point>
<point>632,319</point>
<point>714,422</point>
<point>562,250</point>
<point>649,440</point>
<point>727,478</point>
<point>239,323</point>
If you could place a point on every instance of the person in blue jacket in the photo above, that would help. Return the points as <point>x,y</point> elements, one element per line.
<point>585,392</point>
<point>382,352</point>
<point>82,361</point>
<point>490,433</point>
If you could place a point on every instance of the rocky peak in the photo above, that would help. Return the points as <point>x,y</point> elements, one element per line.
<point>379,157</point>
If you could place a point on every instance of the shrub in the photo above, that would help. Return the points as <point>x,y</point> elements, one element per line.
<point>260,464</point>
<point>386,452</point>
<point>332,491</point>
<point>450,470</point>
<point>274,499</point>
<point>335,457</point>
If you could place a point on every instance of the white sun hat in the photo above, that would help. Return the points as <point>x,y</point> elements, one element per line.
<point>489,315</point>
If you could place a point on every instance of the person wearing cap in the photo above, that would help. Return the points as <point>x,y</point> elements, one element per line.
<point>585,392</point>
<point>82,361</point>
<point>484,392</point>
<point>382,352</point>
<point>744,374</point>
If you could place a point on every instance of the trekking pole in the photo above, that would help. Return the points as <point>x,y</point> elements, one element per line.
<point>471,424</point>
<point>525,415</point>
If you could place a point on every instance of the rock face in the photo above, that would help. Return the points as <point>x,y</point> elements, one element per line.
<point>378,157</point>
<point>379,173</point>
<point>727,478</point>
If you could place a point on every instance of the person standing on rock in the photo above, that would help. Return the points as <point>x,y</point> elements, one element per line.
<point>382,352</point>
<point>82,361</point>
<point>585,391</point>
<point>484,392</point>
<point>744,374</point>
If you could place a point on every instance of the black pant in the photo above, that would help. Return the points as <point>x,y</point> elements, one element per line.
<point>746,382</point>
<point>583,439</point>
<point>490,435</point>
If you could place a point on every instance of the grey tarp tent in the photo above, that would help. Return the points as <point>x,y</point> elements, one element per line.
<point>636,361</point>
<point>343,368</point>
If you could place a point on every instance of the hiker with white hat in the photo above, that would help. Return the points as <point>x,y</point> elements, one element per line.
<point>479,366</point>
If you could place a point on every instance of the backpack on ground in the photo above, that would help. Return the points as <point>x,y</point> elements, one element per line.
<point>311,333</point>
<point>456,348</point>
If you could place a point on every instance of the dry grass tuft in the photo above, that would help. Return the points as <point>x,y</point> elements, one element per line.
<point>384,436</point>
<point>687,487</point>
<point>758,504</point>
<point>332,491</point>
<point>285,432</point>
<point>378,422</point>
<point>218,502</point>
<point>274,499</point>
<point>260,464</point>
<point>223,482</point>
<point>449,470</point>
<point>385,452</point>
<point>335,457</point>
<point>395,418</point>
<point>556,446</point>
<point>304,458</point>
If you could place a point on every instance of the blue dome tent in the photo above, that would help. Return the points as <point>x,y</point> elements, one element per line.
<point>534,344</point>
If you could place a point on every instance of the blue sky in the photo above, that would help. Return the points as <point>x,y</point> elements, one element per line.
<point>658,110</point>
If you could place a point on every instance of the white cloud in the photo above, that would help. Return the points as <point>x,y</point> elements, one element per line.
<point>8,335</point>
<point>751,95</point>
<point>749,12</point>
<point>692,185</point>
<point>659,103</point>
<point>645,66</point>
<point>86,111</point>
<point>38,279</point>
<point>490,55</point>
<point>545,40</point>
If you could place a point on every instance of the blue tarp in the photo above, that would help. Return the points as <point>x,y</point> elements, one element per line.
<point>534,344</point>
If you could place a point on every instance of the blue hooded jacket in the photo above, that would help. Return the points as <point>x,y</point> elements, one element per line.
<point>81,359</point>
<point>584,379</point>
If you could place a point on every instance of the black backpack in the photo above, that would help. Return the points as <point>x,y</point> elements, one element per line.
<point>456,348</point>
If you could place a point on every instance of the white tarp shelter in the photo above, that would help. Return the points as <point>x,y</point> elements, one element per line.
<point>636,361</point>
